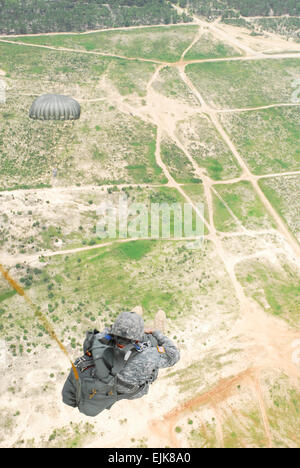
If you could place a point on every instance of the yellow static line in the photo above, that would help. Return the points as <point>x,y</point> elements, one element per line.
<point>38,313</point>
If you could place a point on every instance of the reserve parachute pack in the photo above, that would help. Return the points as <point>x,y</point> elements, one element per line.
<point>99,368</point>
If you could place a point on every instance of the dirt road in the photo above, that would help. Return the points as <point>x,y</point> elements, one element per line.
<point>270,338</point>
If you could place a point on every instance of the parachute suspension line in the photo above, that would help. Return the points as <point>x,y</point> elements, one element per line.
<point>38,313</point>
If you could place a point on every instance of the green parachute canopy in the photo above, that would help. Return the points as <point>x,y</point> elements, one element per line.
<point>54,107</point>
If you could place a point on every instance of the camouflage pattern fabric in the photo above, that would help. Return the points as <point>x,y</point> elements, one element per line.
<point>157,351</point>
<point>144,367</point>
<point>129,325</point>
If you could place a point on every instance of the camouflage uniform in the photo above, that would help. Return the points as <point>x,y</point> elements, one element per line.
<point>134,379</point>
<point>144,367</point>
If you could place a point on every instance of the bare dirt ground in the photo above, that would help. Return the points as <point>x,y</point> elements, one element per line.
<point>266,43</point>
<point>267,341</point>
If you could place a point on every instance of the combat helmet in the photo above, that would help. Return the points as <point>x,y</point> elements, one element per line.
<point>129,325</point>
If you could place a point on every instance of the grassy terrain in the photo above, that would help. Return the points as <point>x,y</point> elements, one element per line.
<point>196,194</point>
<point>104,146</point>
<point>43,222</point>
<point>245,429</point>
<point>274,285</point>
<point>283,410</point>
<point>90,288</point>
<point>114,143</point>
<point>207,148</point>
<point>36,70</point>
<point>270,139</point>
<point>245,83</point>
<point>204,435</point>
<point>209,47</point>
<point>283,193</point>
<point>130,77</point>
<point>163,44</point>
<point>242,425</point>
<point>170,84</point>
<point>177,163</point>
<point>241,199</point>
<point>24,142</point>
<point>238,415</point>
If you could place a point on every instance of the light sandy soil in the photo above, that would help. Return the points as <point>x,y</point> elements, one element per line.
<point>267,43</point>
<point>266,341</point>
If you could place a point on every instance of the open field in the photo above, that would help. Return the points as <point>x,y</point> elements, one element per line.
<point>60,219</point>
<point>274,284</point>
<point>283,192</point>
<point>208,149</point>
<point>208,47</point>
<point>170,84</point>
<point>162,44</point>
<point>100,148</point>
<point>236,206</point>
<point>269,142</point>
<point>258,33</point>
<point>240,84</point>
<point>143,272</point>
<point>157,128</point>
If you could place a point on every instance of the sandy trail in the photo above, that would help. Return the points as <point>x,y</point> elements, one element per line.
<point>254,55</point>
<point>64,49</point>
<point>228,38</point>
<point>84,33</point>
<point>196,39</point>
<point>249,310</point>
<point>246,109</point>
<point>270,344</point>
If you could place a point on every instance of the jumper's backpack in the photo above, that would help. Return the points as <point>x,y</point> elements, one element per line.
<point>98,370</point>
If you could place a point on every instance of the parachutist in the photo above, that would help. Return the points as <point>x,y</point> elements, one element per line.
<point>118,363</point>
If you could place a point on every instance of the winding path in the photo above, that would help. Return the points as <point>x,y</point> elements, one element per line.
<point>250,314</point>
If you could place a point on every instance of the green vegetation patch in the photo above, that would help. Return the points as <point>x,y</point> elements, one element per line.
<point>54,225</point>
<point>208,149</point>
<point>274,285</point>
<point>135,250</point>
<point>104,146</point>
<point>196,193</point>
<point>130,76</point>
<point>209,47</point>
<point>177,163</point>
<point>283,409</point>
<point>170,84</point>
<point>283,193</point>
<point>239,203</point>
<point>38,70</point>
<point>285,26</point>
<point>90,288</point>
<point>72,436</point>
<point>28,147</point>
<point>242,83</point>
<point>245,429</point>
<point>164,44</point>
<point>204,436</point>
<point>270,140</point>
